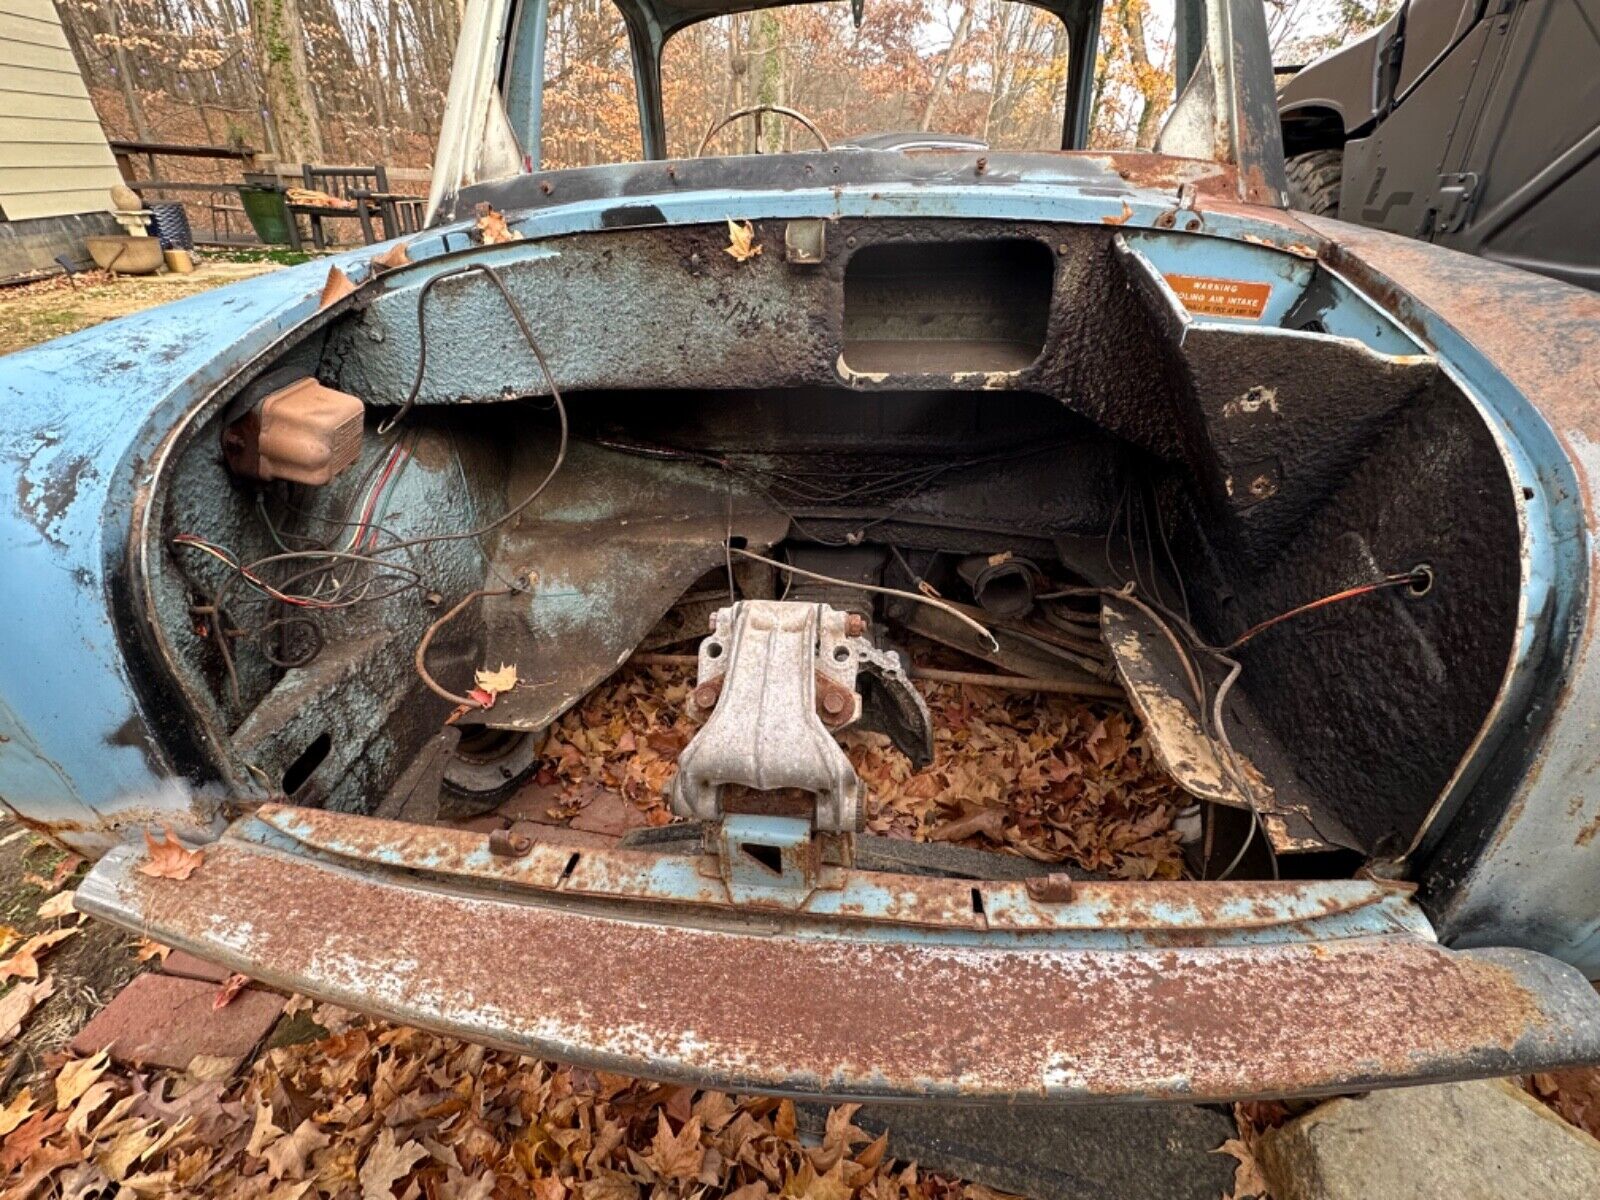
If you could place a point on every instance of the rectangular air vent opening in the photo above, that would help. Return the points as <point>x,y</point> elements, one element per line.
<point>945,308</point>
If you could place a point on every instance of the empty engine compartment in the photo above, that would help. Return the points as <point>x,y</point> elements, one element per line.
<point>1230,471</point>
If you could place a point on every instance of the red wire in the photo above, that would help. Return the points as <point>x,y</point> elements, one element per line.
<point>1388,581</point>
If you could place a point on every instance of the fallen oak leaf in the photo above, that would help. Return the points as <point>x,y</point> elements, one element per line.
<point>678,1158</point>
<point>63,869</point>
<point>231,987</point>
<point>83,1112</point>
<point>21,1000</point>
<point>170,858</point>
<point>21,1144</point>
<point>287,1156</point>
<point>59,905</point>
<point>742,245</point>
<point>74,1079</point>
<point>263,1132</point>
<point>24,964</point>
<point>145,949</point>
<point>1247,1177</point>
<point>386,1165</point>
<point>15,1113</point>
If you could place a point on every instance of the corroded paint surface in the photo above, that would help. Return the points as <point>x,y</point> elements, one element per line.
<point>740,1009</point>
<point>1195,913</point>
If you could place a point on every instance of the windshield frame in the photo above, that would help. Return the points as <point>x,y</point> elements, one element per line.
<point>1225,109</point>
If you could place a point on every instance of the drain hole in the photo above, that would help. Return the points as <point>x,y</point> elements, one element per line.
<point>977,902</point>
<point>1421,581</point>
<point>769,857</point>
<point>566,872</point>
<point>299,772</point>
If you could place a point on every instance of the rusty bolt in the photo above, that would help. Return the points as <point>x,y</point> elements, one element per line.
<point>832,703</point>
<point>1054,888</point>
<point>705,696</point>
<point>503,843</point>
<point>855,625</point>
<point>983,165</point>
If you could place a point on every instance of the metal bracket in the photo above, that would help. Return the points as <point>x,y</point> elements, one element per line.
<point>765,671</point>
<point>777,680</point>
<point>1457,195</point>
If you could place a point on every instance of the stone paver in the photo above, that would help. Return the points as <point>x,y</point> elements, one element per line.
<point>186,966</point>
<point>1486,1140</point>
<point>165,1021</point>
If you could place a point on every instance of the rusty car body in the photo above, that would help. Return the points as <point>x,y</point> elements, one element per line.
<point>942,363</point>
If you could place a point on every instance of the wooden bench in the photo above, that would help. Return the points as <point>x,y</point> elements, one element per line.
<point>365,191</point>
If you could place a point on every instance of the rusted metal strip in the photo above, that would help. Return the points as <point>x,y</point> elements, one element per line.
<point>1201,911</point>
<point>747,1010</point>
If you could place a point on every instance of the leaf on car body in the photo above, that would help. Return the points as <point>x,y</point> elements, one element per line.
<point>492,228</point>
<point>742,245</point>
<point>170,858</point>
<point>495,682</point>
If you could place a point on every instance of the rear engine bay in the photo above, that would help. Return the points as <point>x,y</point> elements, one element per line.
<point>963,548</point>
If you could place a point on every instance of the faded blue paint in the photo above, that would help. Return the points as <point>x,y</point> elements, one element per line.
<point>866,904</point>
<point>80,418</point>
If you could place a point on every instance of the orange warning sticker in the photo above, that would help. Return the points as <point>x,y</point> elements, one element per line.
<point>1221,297</point>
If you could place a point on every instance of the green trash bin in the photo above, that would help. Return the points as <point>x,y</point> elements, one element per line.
<point>268,212</point>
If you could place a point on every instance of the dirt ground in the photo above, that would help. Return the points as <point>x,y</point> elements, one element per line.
<point>36,312</point>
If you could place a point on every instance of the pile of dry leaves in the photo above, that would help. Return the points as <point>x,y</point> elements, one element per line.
<point>1048,777</point>
<point>380,1111</point>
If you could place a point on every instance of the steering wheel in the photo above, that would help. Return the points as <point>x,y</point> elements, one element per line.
<point>756,110</point>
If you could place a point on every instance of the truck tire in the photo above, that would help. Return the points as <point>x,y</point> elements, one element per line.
<point>1314,180</point>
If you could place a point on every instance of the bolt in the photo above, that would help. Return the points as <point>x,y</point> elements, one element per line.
<point>832,703</point>
<point>705,696</point>
<point>855,625</point>
<point>983,165</point>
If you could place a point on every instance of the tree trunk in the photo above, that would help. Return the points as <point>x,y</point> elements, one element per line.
<point>1132,14</point>
<point>125,79</point>
<point>956,41</point>
<point>281,55</point>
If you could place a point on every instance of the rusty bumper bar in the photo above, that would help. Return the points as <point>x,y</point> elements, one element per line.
<point>764,1003</point>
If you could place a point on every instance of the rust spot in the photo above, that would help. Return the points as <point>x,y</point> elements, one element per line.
<point>1127,212</point>
<point>748,1010</point>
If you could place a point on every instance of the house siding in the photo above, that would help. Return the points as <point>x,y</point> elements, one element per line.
<point>54,160</point>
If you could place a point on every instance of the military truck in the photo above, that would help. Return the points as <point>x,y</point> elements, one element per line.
<point>1471,123</point>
